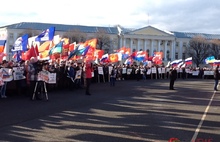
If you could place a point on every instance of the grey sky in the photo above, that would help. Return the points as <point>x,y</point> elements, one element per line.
<point>198,16</point>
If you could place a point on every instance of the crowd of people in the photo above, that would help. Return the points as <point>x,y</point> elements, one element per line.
<point>69,77</point>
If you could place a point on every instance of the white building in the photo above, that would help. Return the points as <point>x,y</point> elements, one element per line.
<point>150,39</point>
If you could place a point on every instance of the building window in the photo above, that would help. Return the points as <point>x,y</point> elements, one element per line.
<point>10,48</point>
<point>11,35</point>
<point>176,55</point>
<point>148,51</point>
<point>177,44</point>
<point>168,55</point>
<point>20,35</point>
<point>184,56</point>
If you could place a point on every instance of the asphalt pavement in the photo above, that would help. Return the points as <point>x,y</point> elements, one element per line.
<point>139,111</point>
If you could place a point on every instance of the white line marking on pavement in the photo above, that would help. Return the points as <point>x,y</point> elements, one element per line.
<point>203,118</point>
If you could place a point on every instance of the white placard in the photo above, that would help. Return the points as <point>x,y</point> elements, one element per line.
<point>1,78</point>
<point>159,70</point>
<point>129,71</point>
<point>154,70</point>
<point>195,73</point>
<point>18,73</point>
<point>148,71</point>
<point>100,70</point>
<point>208,72</point>
<point>163,70</point>
<point>78,74</point>
<point>47,77</point>
<point>7,74</point>
<point>110,69</point>
<point>124,70</point>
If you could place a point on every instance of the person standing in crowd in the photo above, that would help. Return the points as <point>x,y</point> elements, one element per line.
<point>216,78</point>
<point>3,87</point>
<point>173,77</point>
<point>71,74</point>
<point>113,76</point>
<point>88,76</point>
<point>31,76</point>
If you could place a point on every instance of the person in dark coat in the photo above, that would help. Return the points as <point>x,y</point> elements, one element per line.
<point>216,78</point>
<point>173,77</point>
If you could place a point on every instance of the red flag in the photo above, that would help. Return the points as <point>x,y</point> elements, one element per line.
<point>36,51</point>
<point>157,59</point>
<point>99,53</point>
<point>32,52</point>
<point>72,46</point>
<point>65,50</point>
<point>1,56</point>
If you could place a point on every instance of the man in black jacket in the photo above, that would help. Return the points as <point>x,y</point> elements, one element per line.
<point>216,77</point>
<point>173,77</point>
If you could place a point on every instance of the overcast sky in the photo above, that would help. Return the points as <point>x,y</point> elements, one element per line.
<point>197,16</point>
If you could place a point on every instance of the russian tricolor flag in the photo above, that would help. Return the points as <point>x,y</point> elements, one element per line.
<point>217,62</point>
<point>176,62</point>
<point>140,55</point>
<point>104,58</point>
<point>188,61</point>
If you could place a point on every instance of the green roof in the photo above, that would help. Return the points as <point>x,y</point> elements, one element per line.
<point>62,27</point>
<point>95,29</point>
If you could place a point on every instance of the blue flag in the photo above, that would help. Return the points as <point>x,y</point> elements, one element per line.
<point>80,50</point>
<point>57,48</point>
<point>46,35</point>
<point>21,44</point>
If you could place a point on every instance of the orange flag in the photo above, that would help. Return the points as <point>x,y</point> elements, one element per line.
<point>90,54</point>
<point>92,43</point>
<point>44,54</point>
<point>44,46</point>
<point>2,45</point>
<point>113,57</point>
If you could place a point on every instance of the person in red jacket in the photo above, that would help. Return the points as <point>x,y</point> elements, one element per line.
<point>88,76</point>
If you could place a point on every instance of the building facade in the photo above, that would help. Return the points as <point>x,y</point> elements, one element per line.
<point>150,39</point>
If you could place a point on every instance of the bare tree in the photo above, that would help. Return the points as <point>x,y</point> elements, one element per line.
<point>104,42</point>
<point>75,35</point>
<point>215,47</point>
<point>199,49</point>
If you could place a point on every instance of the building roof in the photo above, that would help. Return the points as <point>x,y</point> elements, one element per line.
<point>94,29</point>
<point>191,35</point>
<point>62,27</point>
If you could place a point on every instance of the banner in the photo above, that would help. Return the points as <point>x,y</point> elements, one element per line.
<point>129,71</point>
<point>18,73</point>
<point>7,74</point>
<point>1,78</point>
<point>100,70</point>
<point>47,77</point>
<point>78,74</point>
